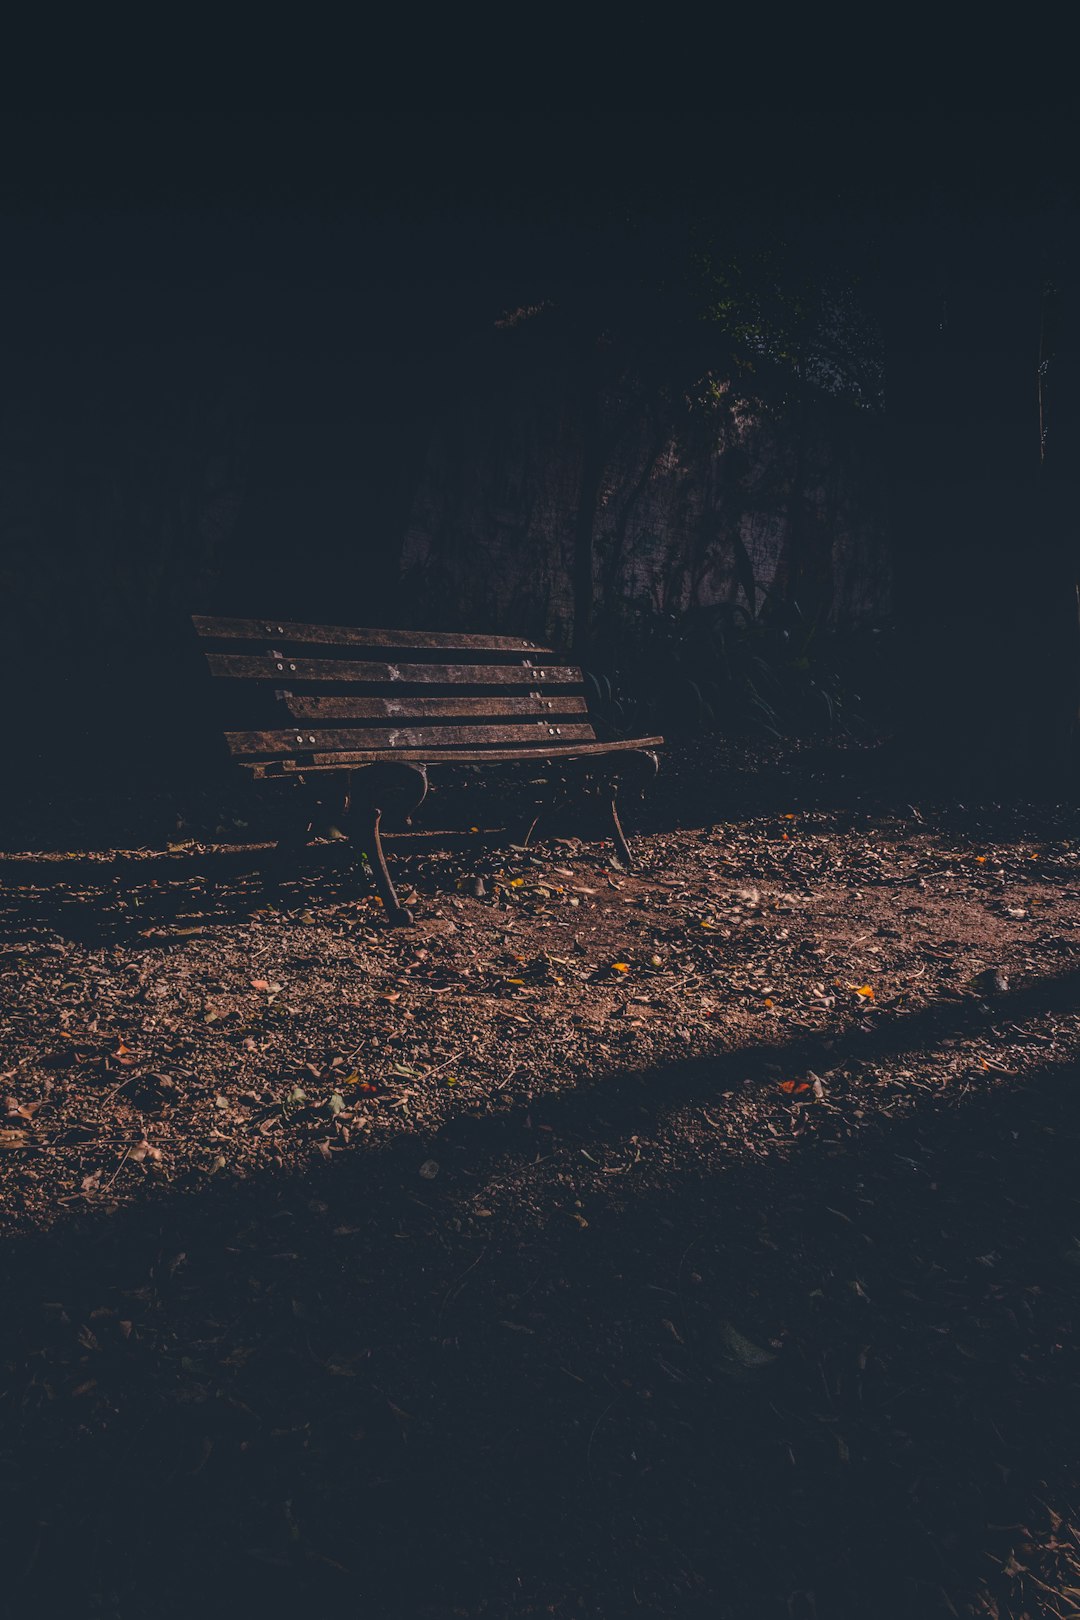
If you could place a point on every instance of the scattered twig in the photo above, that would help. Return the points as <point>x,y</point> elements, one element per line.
<point>119,1167</point>
<point>445,1064</point>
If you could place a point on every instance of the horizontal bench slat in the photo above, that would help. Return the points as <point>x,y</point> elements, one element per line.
<point>336,635</point>
<point>239,667</point>
<point>444,756</point>
<point>397,737</point>
<point>427,708</point>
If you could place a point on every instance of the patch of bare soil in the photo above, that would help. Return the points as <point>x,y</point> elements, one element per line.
<point>696,1240</point>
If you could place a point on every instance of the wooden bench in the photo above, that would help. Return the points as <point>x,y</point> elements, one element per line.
<point>379,707</point>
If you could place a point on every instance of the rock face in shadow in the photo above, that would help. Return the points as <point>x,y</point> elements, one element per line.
<point>688,493</point>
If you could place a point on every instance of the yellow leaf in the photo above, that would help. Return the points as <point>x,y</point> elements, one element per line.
<point>516,883</point>
<point>864,990</point>
<point>620,967</point>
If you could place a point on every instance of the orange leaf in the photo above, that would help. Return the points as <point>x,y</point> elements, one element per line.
<point>864,990</point>
<point>794,1086</point>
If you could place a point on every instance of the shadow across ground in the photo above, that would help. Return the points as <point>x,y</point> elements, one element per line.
<point>704,781</point>
<point>832,1384</point>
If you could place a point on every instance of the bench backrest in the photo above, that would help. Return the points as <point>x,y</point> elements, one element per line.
<point>344,696</point>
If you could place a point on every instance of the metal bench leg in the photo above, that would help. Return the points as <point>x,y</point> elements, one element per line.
<point>531,828</point>
<point>622,848</point>
<point>541,813</point>
<point>285,857</point>
<point>400,788</point>
<point>552,803</point>
<point>635,769</point>
<point>293,841</point>
<point>397,913</point>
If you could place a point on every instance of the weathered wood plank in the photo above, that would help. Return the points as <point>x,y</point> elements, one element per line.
<point>398,737</point>
<point>443,756</point>
<point>426,708</point>
<point>240,667</point>
<point>280,631</point>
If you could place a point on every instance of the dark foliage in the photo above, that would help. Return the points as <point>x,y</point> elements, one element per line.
<point>725,670</point>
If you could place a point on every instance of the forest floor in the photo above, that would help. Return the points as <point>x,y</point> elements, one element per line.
<point>697,1240</point>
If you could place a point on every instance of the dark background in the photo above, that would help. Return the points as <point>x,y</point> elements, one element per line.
<point>243,266</point>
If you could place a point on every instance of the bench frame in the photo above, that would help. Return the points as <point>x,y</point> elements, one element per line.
<point>530,707</point>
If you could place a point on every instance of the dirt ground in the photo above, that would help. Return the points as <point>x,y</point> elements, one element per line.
<point>696,1240</point>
